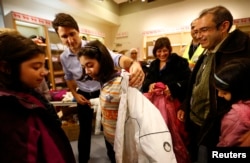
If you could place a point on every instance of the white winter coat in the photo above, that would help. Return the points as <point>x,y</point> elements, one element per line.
<point>141,133</point>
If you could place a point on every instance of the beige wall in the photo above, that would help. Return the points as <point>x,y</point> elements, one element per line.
<point>90,14</point>
<point>99,17</point>
<point>171,17</point>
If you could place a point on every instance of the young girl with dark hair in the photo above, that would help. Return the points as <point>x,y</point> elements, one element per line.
<point>29,126</point>
<point>232,83</point>
<point>98,65</point>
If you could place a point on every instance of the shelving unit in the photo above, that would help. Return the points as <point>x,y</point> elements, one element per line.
<point>56,49</point>
<point>91,37</point>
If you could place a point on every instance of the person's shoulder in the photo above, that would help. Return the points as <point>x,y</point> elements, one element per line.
<point>4,93</point>
<point>9,100</point>
<point>238,34</point>
<point>240,109</point>
<point>154,62</point>
<point>241,105</point>
<point>177,58</point>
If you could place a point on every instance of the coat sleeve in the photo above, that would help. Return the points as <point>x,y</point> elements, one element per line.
<point>179,86</point>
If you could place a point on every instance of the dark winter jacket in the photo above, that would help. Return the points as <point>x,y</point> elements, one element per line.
<point>31,132</point>
<point>175,75</point>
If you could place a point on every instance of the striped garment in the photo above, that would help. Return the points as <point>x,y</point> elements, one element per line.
<point>109,100</point>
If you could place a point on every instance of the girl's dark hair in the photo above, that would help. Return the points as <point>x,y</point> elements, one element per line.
<point>14,50</point>
<point>96,50</point>
<point>161,43</point>
<point>234,77</point>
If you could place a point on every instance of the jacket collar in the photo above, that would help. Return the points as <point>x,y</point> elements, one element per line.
<point>234,42</point>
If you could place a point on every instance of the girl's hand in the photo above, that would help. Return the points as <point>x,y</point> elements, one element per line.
<point>180,115</point>
<point>167,91</point>
<point>151,87</point>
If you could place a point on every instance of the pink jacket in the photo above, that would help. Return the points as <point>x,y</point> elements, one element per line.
<point>235,124</point>
<point>168,109</point>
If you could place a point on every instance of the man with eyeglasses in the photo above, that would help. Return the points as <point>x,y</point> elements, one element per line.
<point>202,110</point>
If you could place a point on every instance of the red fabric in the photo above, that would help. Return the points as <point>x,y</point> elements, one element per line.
<point>168,108</point>
<point>57,95</point>
<point>50,151</point>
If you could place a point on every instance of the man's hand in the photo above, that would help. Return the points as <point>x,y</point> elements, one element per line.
<point>82,100</point>
<point>136,75</point>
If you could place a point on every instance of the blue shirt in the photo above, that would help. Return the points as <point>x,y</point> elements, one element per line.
<point>73,69</point>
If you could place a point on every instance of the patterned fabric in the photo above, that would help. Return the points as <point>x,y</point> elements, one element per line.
<point>110,99</point>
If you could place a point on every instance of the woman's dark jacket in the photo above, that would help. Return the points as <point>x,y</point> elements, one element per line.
<point>31,131</point>
<point>175,75</point>
<point>236,45</point>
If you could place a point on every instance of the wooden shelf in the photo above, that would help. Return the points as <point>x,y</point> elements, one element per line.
<point>56,48</point>
<point>58,73</point>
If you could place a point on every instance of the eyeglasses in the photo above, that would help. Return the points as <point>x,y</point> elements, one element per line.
<point>206,29</point>
<point>203,30</point>
<point>133,53</point>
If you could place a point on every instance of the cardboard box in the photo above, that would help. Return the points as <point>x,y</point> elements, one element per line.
<point>71,130</point>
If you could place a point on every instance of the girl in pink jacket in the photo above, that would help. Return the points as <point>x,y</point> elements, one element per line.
<point>232,82</point>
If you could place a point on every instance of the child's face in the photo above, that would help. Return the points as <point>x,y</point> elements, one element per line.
<point>224,94</point>
<point>91,66</point>
<point>32,72</point>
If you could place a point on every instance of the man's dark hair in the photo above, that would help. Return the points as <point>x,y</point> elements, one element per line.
<point>64,20</point>
<point>220,14</point>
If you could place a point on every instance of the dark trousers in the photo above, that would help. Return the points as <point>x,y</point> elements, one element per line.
<point>110,151</point>
<point>193,142</point>
<point>85,116</point>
